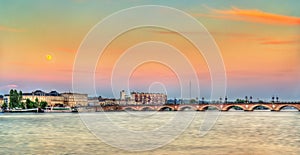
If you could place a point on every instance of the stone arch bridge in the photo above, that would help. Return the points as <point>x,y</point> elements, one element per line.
<point>199,107</point>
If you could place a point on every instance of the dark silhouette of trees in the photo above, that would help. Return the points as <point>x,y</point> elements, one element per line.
<point>43,104</point>
<point>240,101</point>
<point>29,104</point>
<point>4,106</point>
<point>15,99</point>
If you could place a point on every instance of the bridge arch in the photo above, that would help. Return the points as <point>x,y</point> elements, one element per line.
<point>129,109</point>
<point>286,105</point>
<point>207,106</point>
<point>187,107</point>
<point>147,108</point>
<point>231,106</point>
<point>166,108</point>
<point>260,105</point>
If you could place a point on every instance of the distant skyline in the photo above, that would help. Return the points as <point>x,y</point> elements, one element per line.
<point>258,40</point>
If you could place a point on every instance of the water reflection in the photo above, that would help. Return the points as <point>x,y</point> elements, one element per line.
<point>233,133</point>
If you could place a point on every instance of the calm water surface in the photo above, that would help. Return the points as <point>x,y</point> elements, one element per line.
<point>234,133</point>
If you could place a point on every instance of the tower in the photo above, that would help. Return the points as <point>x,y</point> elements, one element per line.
<point>122,95</point>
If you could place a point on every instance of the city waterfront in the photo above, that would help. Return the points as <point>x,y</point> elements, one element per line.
<point>233,133</point>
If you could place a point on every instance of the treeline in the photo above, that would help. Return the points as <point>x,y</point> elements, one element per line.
<point>16,98</point>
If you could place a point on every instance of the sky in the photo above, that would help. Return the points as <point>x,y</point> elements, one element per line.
<point>258,41</point>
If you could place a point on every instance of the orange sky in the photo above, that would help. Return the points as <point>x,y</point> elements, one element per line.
<point>259,45</point>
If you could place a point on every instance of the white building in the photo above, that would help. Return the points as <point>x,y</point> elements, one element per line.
<point>54,98</point>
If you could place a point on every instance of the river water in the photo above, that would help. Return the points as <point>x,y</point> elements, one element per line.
<point>258,133</point>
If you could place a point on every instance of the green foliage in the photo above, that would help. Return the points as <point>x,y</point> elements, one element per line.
<point>15,98</point>
<point>20,96</point>
<point>43,104</point>
<point>22,105</point>
<point>36,104</point>
<point>4,106</point>
<point>30,104</point>
<point>240,101</point>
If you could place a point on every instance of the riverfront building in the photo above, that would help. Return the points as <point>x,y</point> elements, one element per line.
<point>93,101</point>
<point>136,98</point>
<point>54,98</point>
<point>75,99</point>
<point>148,98</point>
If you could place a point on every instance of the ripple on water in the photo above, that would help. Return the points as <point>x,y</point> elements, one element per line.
<point>233,133</point>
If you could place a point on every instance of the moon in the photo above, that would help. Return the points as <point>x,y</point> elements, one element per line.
<point>48,57</point>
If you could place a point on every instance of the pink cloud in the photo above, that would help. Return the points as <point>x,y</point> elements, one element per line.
<point>278,40</point>
<point>252,15</point>
<point>11,86</point>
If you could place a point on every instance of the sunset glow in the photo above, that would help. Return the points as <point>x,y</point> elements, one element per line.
<point>259,44</point>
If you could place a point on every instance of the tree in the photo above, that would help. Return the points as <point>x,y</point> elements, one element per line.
<point>36,103</point>
<point>11,98</point>
<point>30,104</point>
<point>43,104</point>
<point>240,101</point>
<point>4,106</point>
<point>20,96</point>
<point>22,105</point>
<point>14,98</point>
